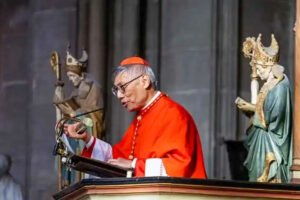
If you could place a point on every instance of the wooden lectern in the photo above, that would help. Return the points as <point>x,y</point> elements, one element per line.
<point>114,186</point>
<point>156,188</point>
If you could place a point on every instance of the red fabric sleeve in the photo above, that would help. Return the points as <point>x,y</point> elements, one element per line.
<point>139,170</point>
<point>88,152</point>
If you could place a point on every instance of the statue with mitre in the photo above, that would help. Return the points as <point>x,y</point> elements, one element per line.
<point>269,135</point>
<point>86,98</point>
<point>87,95</point>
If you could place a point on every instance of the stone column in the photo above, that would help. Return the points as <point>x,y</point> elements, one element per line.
<point>153,35</point>
<point>226,84</point>
<point>52,25</point>
<point>97,41</point>
<point>123,42</point>
<point>296,157</point>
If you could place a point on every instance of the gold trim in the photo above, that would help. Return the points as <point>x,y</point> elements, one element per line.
<point>270,157</point>
<point>74,68</point>
<point>261,99</point>
<point>259,107</point>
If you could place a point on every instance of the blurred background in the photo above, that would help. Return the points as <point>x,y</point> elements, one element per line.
<point>194,46</point>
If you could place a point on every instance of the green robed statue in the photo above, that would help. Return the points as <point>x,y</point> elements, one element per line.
<point>269,135</point>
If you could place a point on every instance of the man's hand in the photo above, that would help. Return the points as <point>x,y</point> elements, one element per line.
<point>71,130</point>
<point>121,162</point>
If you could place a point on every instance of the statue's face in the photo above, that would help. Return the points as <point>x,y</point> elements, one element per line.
<point>74,78</point>
<point>263,72</point>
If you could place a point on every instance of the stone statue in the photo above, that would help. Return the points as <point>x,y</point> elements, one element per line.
<point>9,189</point>
<point>269,135</point>
<point>86,96</point>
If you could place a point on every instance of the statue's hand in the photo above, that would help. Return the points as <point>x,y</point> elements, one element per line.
<point>66,109</point>
<point>246,107</point>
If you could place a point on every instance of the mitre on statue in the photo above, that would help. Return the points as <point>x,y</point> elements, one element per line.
<point>76,65</point>
<point>265,56</point>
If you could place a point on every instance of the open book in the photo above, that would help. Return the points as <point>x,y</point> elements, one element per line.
<point>96,167</point>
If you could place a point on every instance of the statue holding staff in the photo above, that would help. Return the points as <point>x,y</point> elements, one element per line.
<point>269,135</point>
<point>86,96</point>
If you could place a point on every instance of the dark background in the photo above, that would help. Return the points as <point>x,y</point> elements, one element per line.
<point>194,46</point>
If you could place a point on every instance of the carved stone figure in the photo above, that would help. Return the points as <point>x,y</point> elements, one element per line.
<point>269,135</point>
<point>9,189</point>
<point>86,96</point>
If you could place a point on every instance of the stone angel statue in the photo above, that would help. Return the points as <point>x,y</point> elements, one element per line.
<point>269,135</point>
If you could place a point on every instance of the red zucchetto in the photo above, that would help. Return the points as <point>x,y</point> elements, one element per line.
<point>134,61</point>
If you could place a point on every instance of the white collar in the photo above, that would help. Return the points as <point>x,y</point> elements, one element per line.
<point>153,98</point>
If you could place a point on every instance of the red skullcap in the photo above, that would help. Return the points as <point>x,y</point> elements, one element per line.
<point>134,61</point>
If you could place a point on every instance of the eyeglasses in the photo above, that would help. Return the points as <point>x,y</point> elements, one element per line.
<point>122,88</point>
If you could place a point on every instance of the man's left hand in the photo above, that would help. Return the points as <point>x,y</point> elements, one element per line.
<point>121,162</point>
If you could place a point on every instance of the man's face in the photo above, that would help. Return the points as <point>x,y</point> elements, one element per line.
<point>135,95</point>
<point>263,72</point>
<point>74,78</point>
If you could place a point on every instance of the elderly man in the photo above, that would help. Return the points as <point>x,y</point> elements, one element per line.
<point>161,141</point>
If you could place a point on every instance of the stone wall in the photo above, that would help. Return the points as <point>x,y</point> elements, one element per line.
<point>194,47</point>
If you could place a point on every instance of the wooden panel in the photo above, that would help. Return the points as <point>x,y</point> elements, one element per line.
<point>165,191</point>
<point>160,187</point>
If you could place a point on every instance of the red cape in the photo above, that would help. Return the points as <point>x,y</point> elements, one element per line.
<point>166,131</point>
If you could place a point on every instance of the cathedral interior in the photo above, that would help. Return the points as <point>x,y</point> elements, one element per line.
<point>194,47</point>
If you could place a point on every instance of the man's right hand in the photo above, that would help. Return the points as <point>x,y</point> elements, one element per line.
<point>71,130</point>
